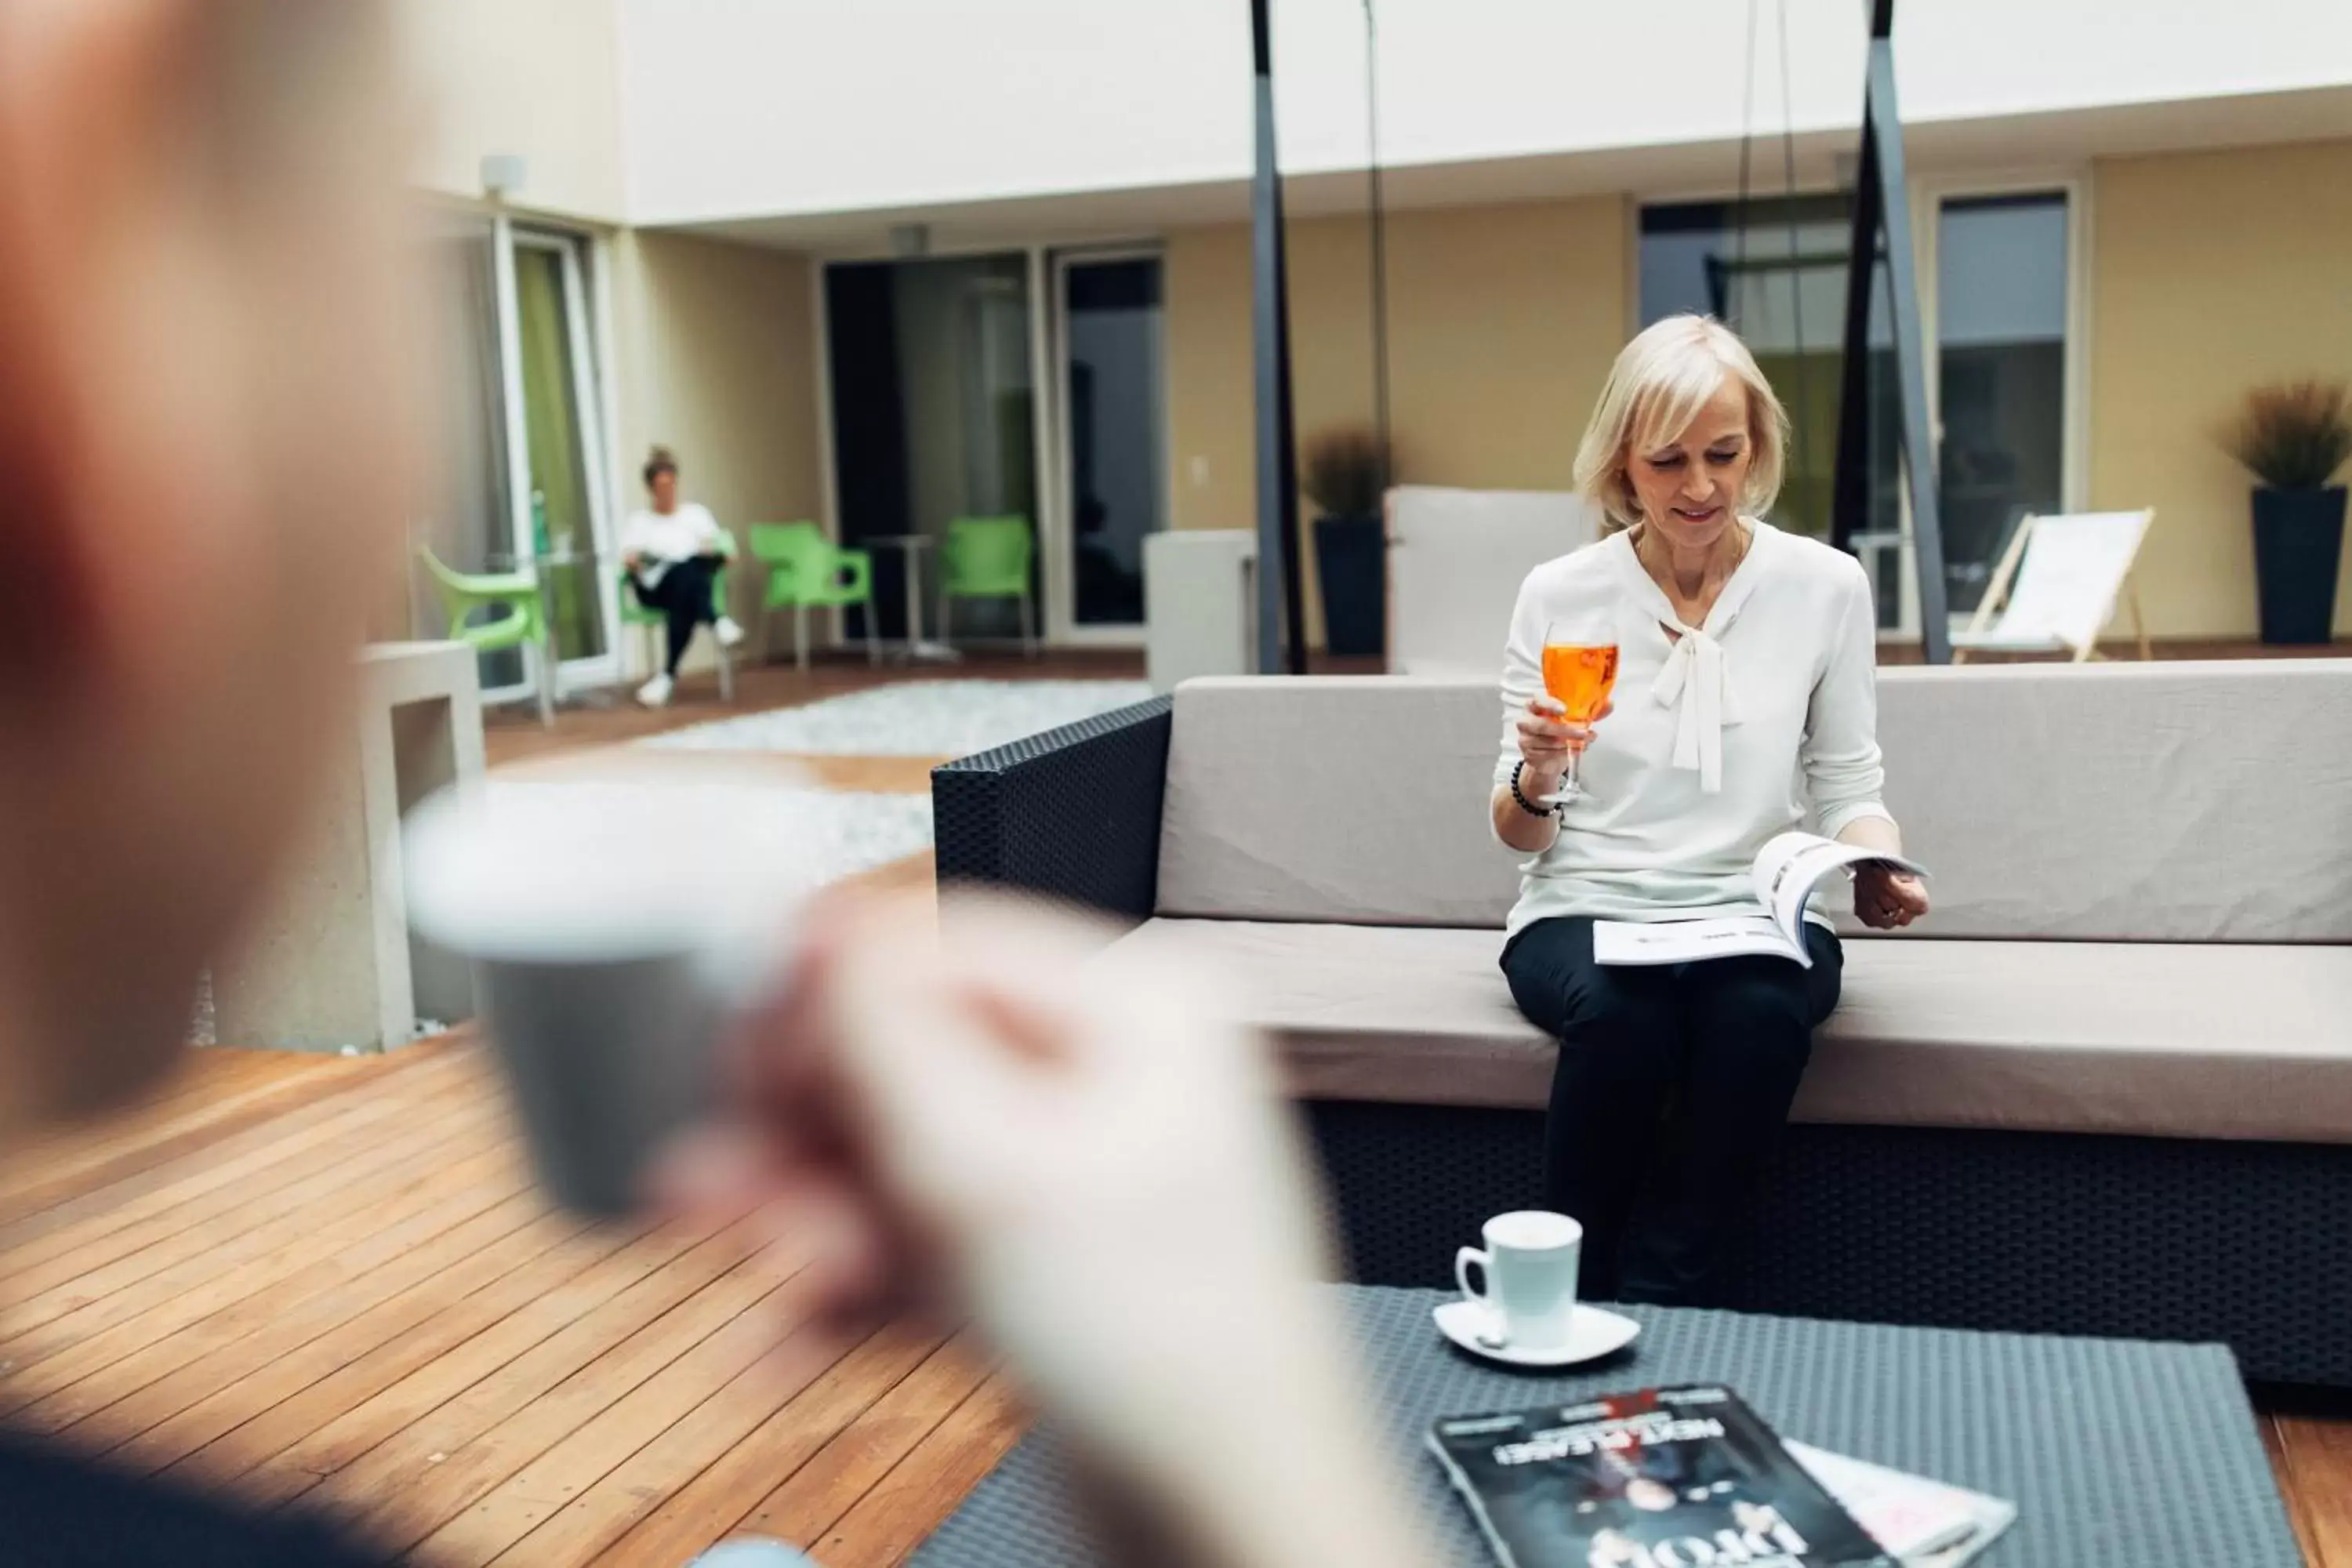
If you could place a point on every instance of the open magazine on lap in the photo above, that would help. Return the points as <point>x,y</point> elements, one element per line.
<point>1785,873</point>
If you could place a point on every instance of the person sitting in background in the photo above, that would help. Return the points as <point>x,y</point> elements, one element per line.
<point>673,550</point>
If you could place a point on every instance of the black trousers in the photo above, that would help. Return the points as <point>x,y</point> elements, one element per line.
<point>683,595</point>
<point>1672,1085</point>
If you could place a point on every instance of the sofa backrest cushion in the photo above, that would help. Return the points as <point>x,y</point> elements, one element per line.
<point>2207,801</point>
<point>2204,802</point>
<point>1357,799</point>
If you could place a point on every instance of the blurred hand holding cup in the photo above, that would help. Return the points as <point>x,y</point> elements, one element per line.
<point>615,931</point>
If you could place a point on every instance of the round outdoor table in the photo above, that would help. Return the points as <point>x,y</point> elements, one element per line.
<point>914,646</point>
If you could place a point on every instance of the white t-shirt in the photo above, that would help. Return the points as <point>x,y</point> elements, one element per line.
<point>1766,715</point>
<point>667,538</point>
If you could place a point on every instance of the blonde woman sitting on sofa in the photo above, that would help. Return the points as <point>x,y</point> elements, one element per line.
<point>1746,703</point>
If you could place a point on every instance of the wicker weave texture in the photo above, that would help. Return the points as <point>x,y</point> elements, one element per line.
<point>2045,1233</point>
<point>2120,1453</point>
<point>1072,814</point>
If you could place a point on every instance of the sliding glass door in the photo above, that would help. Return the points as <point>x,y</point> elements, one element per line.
<point>1111,465</point>
<point>521,478</point>
<point>467,514</point>
<point>566,502</point>
<point>2001,306</point>
<point>933,411</point>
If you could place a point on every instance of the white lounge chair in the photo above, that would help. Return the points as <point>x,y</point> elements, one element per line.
<point>2057,585</point>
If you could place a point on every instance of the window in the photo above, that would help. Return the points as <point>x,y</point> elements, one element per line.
<point>2000,383</point>
<point>1778,280</point>
<point>1995,284</point>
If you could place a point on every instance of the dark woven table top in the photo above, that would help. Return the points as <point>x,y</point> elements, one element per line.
<point>2117,1452</point>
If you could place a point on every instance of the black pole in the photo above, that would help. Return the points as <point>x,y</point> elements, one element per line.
<point>1850,491</point>
<point>1881,177</point>
<point>1379,246</point>
<point>1278,605</point>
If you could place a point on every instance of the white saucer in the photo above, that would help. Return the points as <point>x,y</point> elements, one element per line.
<point>1595,1334</point>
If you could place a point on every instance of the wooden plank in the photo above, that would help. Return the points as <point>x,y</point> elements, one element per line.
<point>806,1503</point>
<point>195,1075</point>
<point>181,1412</point>
<point>220,1267</point>
<point>2318,1455</point>
<point>227,1307</point>
<point>184,1093</point>
<point>29,1191</point>
<point>402,1491</point>
<point>545,1339</point>
<point>691,1487</point>
<point>504,1511</point>
<point>267,1175</point>
<point>2274,1449</point>
<point>194,1171</point>
<point>900,1513</point>
<point>164,1378</point>
<point>272,1411</point>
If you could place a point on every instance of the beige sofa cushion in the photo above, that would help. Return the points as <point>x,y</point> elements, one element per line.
<point>2117,803</point>
<point>2127,801</point>
<point>2169,1040</point>
<point>1334,798</point>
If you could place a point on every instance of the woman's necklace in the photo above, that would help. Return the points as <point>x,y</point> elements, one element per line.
<point>1693,611</point>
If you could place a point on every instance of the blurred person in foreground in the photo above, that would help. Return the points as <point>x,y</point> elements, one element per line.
<point>202,307</point>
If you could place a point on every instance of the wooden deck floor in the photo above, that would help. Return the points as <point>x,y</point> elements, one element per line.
<point>312,1278</point>
<point>304,1276</point>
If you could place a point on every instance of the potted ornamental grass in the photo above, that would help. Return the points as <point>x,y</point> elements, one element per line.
<point>2294,437</point>
<point>1346,474</point>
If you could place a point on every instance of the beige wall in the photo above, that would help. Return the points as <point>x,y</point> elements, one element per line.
<point>2209,272</point>
<point>715,360</point>
<point>1502,324</point>
<point>538,78</point>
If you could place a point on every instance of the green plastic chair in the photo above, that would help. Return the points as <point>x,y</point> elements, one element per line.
<point>989,558</point>
<point>808,570</point>
<point>523,626</point>
<point>633,613</point>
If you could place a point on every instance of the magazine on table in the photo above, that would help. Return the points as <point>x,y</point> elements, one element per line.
<point>1785,873</point>
<point>1657,1479</point>
<point>1668,1477</point>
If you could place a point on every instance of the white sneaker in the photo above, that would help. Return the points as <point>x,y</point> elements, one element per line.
<point>730,633</point>
<point>655,693</point>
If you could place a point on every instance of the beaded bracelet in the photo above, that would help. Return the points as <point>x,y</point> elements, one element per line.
<point>1530,807</point>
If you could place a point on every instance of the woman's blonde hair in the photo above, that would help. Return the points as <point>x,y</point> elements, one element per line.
<point>1656,388</point>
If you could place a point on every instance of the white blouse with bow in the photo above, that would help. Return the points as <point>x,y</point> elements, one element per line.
<point>1763,720</point>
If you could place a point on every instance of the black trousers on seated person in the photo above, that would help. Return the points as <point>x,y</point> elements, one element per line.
<point>683,595</point>
<point>1672,1085</point>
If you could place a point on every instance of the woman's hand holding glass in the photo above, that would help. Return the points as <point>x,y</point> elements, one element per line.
<point>1550,742</point>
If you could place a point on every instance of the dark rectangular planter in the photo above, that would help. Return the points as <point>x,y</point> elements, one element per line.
<point>1351,560</point>
<point>2298,547</point>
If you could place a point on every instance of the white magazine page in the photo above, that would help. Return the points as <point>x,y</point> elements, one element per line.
<point>1685,942</point>
<point>1925,1523</point>
<point>1789,867</point>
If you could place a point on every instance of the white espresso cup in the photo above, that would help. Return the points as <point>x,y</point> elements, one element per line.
<point>1529,1261</point>
<point>615,929</point>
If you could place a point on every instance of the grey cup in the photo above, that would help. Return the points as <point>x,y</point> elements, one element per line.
<point>606,1060</point>
<point>605,974</point>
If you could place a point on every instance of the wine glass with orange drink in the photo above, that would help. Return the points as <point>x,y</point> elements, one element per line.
<point>1579,667</point>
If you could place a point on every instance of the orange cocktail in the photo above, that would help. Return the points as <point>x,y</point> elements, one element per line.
<point>1580,676</point>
